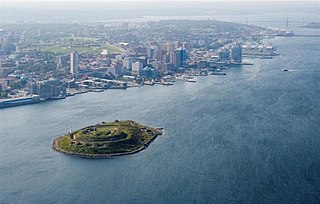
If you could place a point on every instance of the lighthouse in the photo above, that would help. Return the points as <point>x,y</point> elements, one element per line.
<point>71,134</point>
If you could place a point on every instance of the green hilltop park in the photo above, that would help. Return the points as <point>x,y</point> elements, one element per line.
<point>82,49</point>
<point>107,139</point>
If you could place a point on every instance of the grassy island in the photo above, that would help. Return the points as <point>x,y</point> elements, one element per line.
<point>107,139</point>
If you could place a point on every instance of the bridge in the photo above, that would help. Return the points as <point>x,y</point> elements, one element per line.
<point>286,21</point>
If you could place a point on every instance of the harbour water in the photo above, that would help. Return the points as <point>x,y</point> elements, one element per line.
<point>251,136</point>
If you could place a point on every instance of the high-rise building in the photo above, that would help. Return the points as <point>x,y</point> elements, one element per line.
<point>115,69</point>
<point>137,67</point>
<point>127,63</point>
<point>224,55</point>
<point>176,58</point>
<point>143,60</point>
<point>168,47</point>
<point>180,57</point>
<point>162,56</point>
<point>59,61</point>
<point>74,63</point>
<point>152,52</point>
<point>236,54</point>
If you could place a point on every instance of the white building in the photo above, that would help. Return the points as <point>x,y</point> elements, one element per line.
<point>137,67</point>
<point>127,63</point>
<point>74,63</point>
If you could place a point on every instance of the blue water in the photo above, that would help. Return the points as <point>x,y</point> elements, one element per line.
<point>252,136</point>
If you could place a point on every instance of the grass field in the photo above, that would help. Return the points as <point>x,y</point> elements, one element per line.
<point>83,49</point>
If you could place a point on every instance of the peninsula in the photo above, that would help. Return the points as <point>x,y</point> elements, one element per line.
<point>107,139</point>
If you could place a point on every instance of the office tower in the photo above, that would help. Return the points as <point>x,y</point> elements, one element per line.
<point>180,57</point>
<point>152,52</point>
<point>236,54</point>
<point>74,63</point>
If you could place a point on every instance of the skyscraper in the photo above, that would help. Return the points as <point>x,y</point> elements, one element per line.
<point>74,63</point>
<point>179,57</point>
<point>152,52</point>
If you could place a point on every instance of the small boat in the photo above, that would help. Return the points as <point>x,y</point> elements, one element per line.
<point>58,97</point>
<point>285,70</point>
<point>97,90</point>
<point>167,83</point>
<point>191,80</point>
<point>188,77</point>
<point>218,73</point>
<point>180,78</point>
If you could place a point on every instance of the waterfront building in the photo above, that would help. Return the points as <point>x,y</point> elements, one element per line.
<point>168,67</point>
<point>224,55</point>
<point>147,72</point>
<point>48,89</point>
<point>180,57</point>
<point>115,69</point>
<point>74,63</point>
<point>127,62</point>
<point>137,67</point>
<point>236,54</point>
<point>70,83</point>
<point>259,50</point>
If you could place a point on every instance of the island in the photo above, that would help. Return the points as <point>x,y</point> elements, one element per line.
<point>105,140</point>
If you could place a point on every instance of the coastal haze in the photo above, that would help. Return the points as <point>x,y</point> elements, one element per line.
<point>251,136</point>
<point>91,11</point>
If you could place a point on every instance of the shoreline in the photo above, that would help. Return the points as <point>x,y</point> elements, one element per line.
<point>80,92</point>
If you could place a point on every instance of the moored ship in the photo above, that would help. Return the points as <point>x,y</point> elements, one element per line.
<point>19,101</point>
